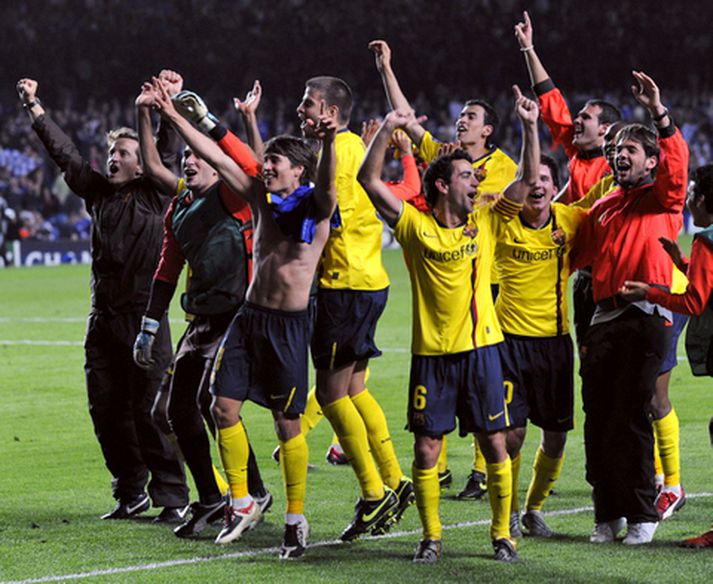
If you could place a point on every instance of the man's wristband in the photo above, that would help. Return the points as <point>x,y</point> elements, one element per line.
<point>660,116</point>
<point>30,104</point>
<point>526,49</point>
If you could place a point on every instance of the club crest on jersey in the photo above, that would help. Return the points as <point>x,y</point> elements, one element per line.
<point>559,237</point>
<point>471,230</point>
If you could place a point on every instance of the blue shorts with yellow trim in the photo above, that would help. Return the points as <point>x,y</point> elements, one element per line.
<point>263,358</point>
<point>345,326</point>
<point>671,360</point>
<point>539,381</point>
<point>467,385</point>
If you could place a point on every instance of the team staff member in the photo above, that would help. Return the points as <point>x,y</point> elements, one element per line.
<point>455,370</point>
<point>351,296</point>
<point>263,356</point>
<point>475,128</point>
<point>625,346</point>
<point>210,228</point>
<point>127,213</point>
<point>697,296</point>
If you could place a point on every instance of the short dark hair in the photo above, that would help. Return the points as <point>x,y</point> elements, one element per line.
<point>643,135</point>
<point>490,116</point>
<point>609,114</point>
<point>297,151</point>
<point>441,168</point>
<point>703,177</point>
<point>550,163</point>
<point>336,92</point>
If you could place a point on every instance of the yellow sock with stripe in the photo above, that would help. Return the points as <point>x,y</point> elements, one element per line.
<point>478,458</point>
<point>234,452</point>
<point>500,494</point>
<point>443,456</point>
<point>377,431</point>
<point>313,413</point>
<point>515,472</point>
<point>545,472</point>
<point>428,500</point>
<point>666,431</point>
<point>350,429</point>
<point>294,456</point>
<point>223,486</point>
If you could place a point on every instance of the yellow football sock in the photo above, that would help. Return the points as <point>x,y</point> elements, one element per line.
<point>350,429</point>
<point>377,431</point>
<point>545,472</point>
<point>500,494</point>
<point>223,486</point>
<point>428,499</point>
<point>294,456</point>
<point>234,452</point>
<point>335,439</point>
<point>443,456</point>
<point>667,433</point>
<point>313,413</point>
<point>478,458</point>
<point>515,471</point>
<point>658,467</point>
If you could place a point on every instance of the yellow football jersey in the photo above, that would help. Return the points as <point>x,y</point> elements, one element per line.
<point>534,270</point>
<point>601,188</point>
<point>449,268</point>
<point>499,167</point>
<point>352,256</point>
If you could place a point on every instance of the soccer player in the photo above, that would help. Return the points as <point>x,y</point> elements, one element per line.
<point>351,295</point>
<point>209,227</point>
<point>475,127</point>
<point>455,368</point>
<point>127,224</point>
<point>697,296</point>
<point>263,356</point>
<point>625,346</point>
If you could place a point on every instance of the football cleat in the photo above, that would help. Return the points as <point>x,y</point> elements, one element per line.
<point>128,509</point>
<point>606,531</point>
<point>201,516</point>
<point>171,515</point>
<point>640,533</point>
<point>335,455</point>
<point>294,541</point>
<point>668,502</point>
<point>237,521</point>
<point>406,496</point>
<point>534,522</point>
<point>505,550</point>
<point>371,515</point>
<point>445,479</point>
<point>700,542</point>
<point>428,551</point>
<point>515,530</point>
<point>475,488</point>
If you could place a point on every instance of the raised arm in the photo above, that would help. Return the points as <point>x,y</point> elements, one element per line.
<point>523,33</point>
<point>248,109</point>
<point>386,203</point>
<point>397,99</point>
<point>325,190</point>
<point>203,146</point>
<point>529,166</point>
<point>164,179</point>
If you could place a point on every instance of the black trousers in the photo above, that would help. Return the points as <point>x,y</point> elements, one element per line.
<point>621,361</point>
<point>583,304</point>
<point>121,395</point>
<point>189,404</point>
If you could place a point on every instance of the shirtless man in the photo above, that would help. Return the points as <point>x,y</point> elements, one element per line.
<point>263,356</point>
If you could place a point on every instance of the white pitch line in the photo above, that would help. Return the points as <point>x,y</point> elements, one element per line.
<point>275,550</point>
<point>41,343</point>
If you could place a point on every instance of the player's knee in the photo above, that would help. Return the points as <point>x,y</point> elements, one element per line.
<point>225,413</point>
<point>553,443</point>
<point>426,450</point>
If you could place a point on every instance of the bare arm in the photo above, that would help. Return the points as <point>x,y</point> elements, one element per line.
<point>529,167</point>
<point>203,146</point>
<point>387,204</point>
<point>397,99</point>
<point>325,190</point>
<point>162,177</point>
<point>523,32</point>
<point>248,109</point>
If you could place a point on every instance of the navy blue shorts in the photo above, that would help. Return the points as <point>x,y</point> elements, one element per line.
<point>539,381</point>
<point>671,360</point>
<point>345,325</point>
<point>263,358</point>
<point>467,385</point>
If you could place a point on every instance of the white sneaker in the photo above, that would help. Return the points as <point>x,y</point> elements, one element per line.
<point>640,533</point>
<point>607,531</point>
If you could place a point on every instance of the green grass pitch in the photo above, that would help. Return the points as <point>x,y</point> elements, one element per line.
<point>54,487</point>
